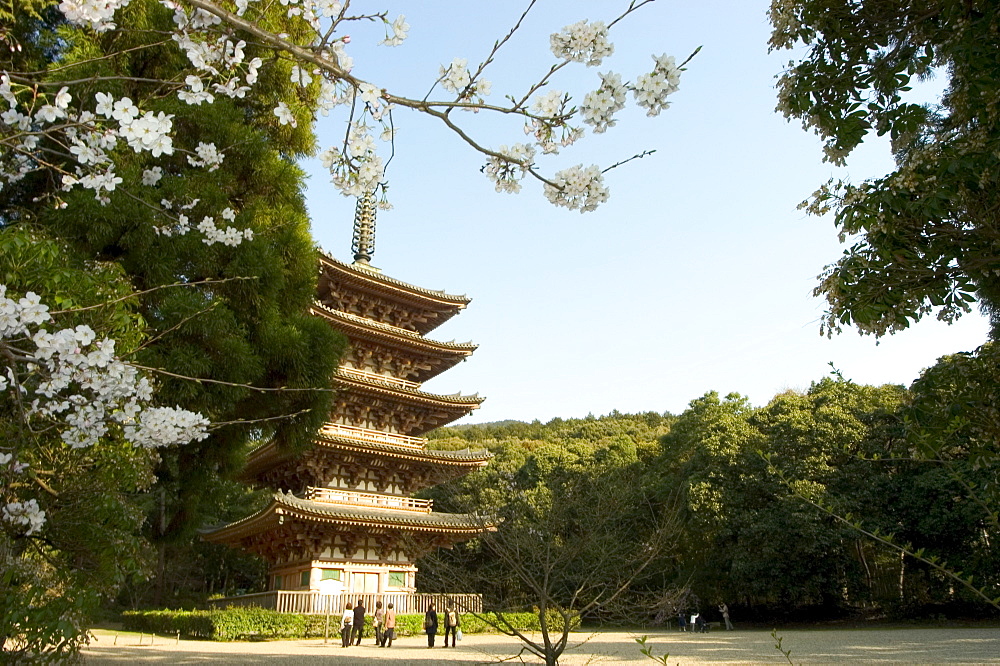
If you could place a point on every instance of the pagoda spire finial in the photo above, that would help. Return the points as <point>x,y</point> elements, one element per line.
<point>363,243</point>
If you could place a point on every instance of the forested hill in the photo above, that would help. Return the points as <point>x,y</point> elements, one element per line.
<point>770,508</point>
<point>639,430</point>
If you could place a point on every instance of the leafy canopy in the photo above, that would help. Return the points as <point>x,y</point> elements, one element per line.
<point>923,237</point>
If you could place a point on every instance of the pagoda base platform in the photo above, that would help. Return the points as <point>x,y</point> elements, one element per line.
<point>308,602</point>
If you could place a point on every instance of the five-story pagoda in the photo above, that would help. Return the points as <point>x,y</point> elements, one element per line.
<point>342,518</point>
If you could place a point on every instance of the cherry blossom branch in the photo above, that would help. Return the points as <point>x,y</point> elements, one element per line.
<point>639,156</point>
<point>176,326</point>
<point>356,166</point>
<point>249,387</point>
<point>281,417</point>
<point>89,61</point>
<point>134,294</point>
<point>446,119</point>
<point>633,6</point>
<point>273,40</point>
<point>20,77</point>
<point>497,45</point>
<point>44,486</point>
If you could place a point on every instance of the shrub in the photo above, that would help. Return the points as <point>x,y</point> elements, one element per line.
<point>221,625</point>
<point>192,624</point>
<point>251,623</point>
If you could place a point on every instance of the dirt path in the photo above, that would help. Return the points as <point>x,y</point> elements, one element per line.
<point>832,646</point>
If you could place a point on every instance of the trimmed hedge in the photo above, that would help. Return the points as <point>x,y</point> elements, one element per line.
<point>220,625</point>
<point>233,624</point>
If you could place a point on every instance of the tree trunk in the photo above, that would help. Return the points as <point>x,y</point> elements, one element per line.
<point>161,552</point>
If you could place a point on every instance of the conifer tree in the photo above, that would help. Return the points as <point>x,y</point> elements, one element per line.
<point>239,315</point>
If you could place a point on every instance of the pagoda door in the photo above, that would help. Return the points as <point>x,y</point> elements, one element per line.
<point>364,583</point>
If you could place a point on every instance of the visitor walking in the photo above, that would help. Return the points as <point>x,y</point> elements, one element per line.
<point>345,624</point>
<point>452,621</point>
<point>379,622</point>
<point>431,624</point>
<point>724,609</point>
<point>390,626</point>
<point>359,622</point>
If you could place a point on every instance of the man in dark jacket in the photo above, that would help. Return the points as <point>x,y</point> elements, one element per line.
<point>359,622</point>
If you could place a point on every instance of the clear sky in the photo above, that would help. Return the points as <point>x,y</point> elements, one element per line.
<point>697,275</point>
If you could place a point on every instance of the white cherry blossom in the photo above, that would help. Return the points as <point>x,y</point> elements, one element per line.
<point>506,174</point>
<point>27,514</point>
<point>582,42</point>
<point>578,188</point>
<point>124,111</point>
<point>63,98</point>
<point>328,8</point>
<point>195,93</point>
<point>96,14</point>
<point>152,176</point>
<point>399,29</point>
<point>301,76</point>
<point>16,119</point>
<point>49,114</point>
<point>455,77</point>
<point>549,105</point>
<point>105,104</point>
<point>79,384</point>
<point>284,114</point>
<point>218,67</point>
<point>652,89</point>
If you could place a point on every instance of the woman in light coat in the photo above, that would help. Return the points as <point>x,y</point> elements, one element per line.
<point>345,624</point>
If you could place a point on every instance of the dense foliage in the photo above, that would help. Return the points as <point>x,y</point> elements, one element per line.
<point>923,236</point>
<point>755,487</point>
<point>48,583</point>
<point>923,240</point>
<point>210,321</point>
<point>242,317</point>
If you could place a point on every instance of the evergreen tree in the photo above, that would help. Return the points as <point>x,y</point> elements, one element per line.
<point>923,235</point>
<point>219,318</point>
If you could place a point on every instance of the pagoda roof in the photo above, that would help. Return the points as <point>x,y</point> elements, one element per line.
<point>367,279</point>
<point>387,405</point>
<point>269,455</point>
<point>361,328</point>
<point>383,330</point>
<point>390,389</point>
<point>374,276</point>
<point>284,506</point>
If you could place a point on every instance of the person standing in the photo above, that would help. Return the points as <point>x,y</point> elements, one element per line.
<point>359,622</point>
<point>452,621</point>
<point>431,624</point>
<point>345,625</point>
<point>724,609</point>
<point>379,623</point>
<point>681,622</point>
<point>390,626</point>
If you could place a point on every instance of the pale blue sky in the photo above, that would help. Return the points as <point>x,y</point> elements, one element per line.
<point>696,275</point>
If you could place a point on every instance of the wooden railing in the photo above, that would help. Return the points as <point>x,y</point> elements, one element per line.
<point>365,374</point>
<point>368,435</point>
<point>314,603</point>
<point>369,499</point>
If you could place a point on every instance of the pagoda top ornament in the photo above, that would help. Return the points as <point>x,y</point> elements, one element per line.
<point>363,239</point>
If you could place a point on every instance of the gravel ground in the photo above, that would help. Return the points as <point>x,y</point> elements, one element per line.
<point>829,646</point>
